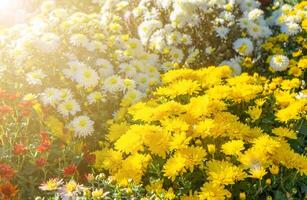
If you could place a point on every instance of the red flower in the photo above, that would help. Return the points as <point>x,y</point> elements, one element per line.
<point>89,158</point>
<point>26,112</point>
<point>5,109</point>
<point>40,162</point>
<point>45,142</point>
<point>8,191</point>
<point>70,170</point>
<point>12,96</point>
<point>2,93</point>
<point>6,171</point>
<point>25,104</point>
<point>19,149</point>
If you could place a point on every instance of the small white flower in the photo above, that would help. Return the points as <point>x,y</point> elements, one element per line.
<point>127,69</point>
<point>49,42</point>
<point>50,96</point>
<point>35,77</point>
<point>279,62</point>
<point>82,126</point>
<point>234,65</point>
<point>243,46</point>
<point>69,107</point>
<point>65,94</point>
<point>290,28</point>
<point>87,77</point>
<point>113,84</point>
<point>70,190</point>
<point>79,40</point>
<point>106,68</point>
<point>95,97</point>
<point>222,32</point>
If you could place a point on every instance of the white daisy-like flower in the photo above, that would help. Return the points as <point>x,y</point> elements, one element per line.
<point>176,55</point>
<point>50,96</point>
<point>96,97</point>
<point>129,84</point>
<point>234,65</point>
<point>74,66</point>
<point>279,62</point>
<point>87,77</point>
<point>105,67</point>
<point>143,81</point>
<point>243,46</point>
<point>255,14</point>
<point>290,28</point>
<point>51,184</point>
<point>127,69</point>
<point>69,107</point>
<point>133,96</point>
<point>222,32</point>
<point>65,94</point>
<point>49,42</point>
<point>247,5</point>
<point>82,126</point>
<point>254,30</point>
<point>79,40</point>
<point>113,84</point>
<point>147,28</point>
<point>35,77</point>
<point>70,190</point>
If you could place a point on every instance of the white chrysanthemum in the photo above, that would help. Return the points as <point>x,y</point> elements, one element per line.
<point>176,55</point>
<point>222,32</point>
<point>106,68</point>
<point>290,28</point>
<point>173,38</point>
<point>74,66</point>
<point>82,126</point>
<point>113,84</point>
<point>129,84</point>
<point>134,47</point>
<point>70,190</point>
<point>255,30</point>
<point>243,46</point>
<point>133,96</point>
<point>147,28</point>
<point>143,81</point>
<point>65,94</point>
<point>79,40</point>
<point>234,65</point>
<point>49,42</point>
<point>255,14</point>
<point>35,77</point>
<point>247,5</point>
<point>279,62</point>
<point>96,97</point>
<point>127,69</point>
<point>157,40</point>
<point>50,96</point>
<point>87,77</point>
<point>69,107</point>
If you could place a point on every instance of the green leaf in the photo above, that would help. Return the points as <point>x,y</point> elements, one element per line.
<point>279,196</point>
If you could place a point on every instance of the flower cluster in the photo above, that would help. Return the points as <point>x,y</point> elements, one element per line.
<point>28,153</point>
<point>195,33</point>
<point>287,48</point>
<point>205,133</point>
<point>75,65</point>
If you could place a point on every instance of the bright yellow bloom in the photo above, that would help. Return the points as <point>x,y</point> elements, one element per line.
<point>233,147</point>
<point>223,172</point>
<point>284,132</point>
<point>211,191</point>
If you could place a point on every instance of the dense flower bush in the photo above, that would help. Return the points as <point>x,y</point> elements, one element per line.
<point>208,135</point>
<point>154,99</point>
